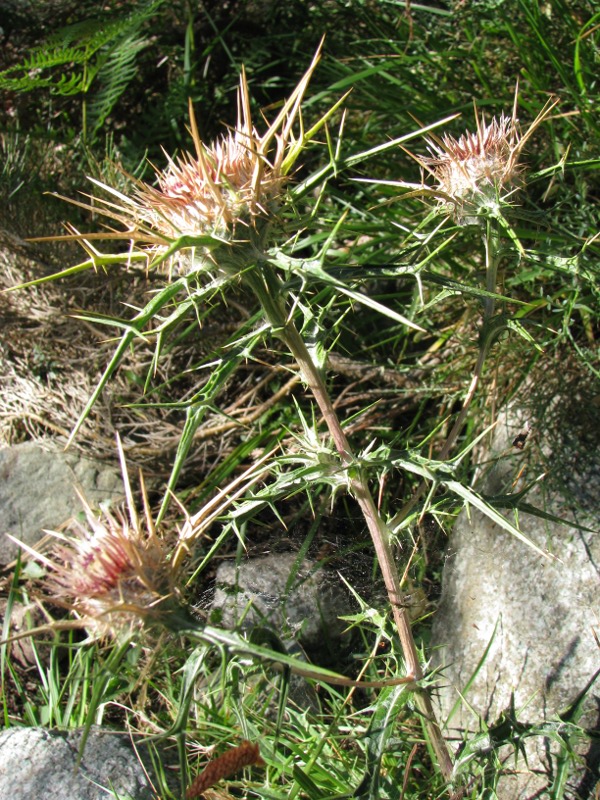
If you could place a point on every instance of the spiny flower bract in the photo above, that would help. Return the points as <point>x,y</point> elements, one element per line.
<point>224,185</point>
<point>113,574</point>
<point>476,169</point>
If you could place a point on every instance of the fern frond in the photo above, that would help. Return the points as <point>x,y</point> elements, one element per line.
<point>30,75</point>
<point>89,44</point>
<point>113,77</point>
<point>64,85</point>
<point>87,36</point>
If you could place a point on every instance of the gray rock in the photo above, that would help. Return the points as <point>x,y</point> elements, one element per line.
<point>535,617</point>
<point>38,491</point>
<point>36,763</point>
<point>298,602</point>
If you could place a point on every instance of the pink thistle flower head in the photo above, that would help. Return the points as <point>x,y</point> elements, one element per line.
<point>207,206</point>
<point>232,182</point>
<point>475,170</point>
<point>114,572</point>
<point>111,574</point>
<point>478,172</point>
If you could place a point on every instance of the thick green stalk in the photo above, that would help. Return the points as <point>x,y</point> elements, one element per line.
<point>491,243</point>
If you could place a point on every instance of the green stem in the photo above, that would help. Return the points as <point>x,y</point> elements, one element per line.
<point>491,243</point>
<point>492,257</point>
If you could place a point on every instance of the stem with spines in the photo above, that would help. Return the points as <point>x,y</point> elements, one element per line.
<point>269,291</point>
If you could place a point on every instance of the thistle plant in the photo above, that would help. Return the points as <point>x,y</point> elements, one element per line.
<point>255,249</point>
<point>214,220</point>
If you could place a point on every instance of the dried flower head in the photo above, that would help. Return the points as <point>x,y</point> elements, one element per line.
<point>478,172</point>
